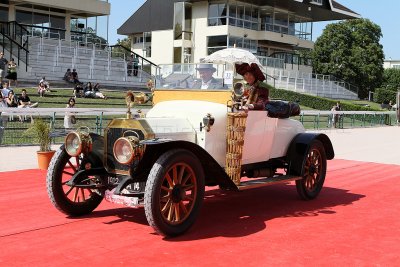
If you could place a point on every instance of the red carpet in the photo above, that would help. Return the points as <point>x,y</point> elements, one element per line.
<point>353,222</point>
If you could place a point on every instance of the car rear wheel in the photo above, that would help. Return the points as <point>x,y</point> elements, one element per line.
<point>174,192</point>
<point>74,200</point>
<point>313,171</point>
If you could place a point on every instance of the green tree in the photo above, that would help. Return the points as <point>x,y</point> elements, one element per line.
<point>391,79</point>
<point>350,50</point>
<point>119,49</point>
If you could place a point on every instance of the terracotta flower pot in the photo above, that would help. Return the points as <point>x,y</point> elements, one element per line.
<point>44,158</point>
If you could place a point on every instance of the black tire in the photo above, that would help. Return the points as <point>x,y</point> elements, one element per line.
<point>313,171</point>
<point>174,192</point>
<point>73,201</point>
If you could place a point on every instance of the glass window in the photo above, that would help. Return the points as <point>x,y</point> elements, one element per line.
<point>217,41</point>
<point>177,54</point>
<point>24,17</point>
<point>3,13</point>
<point>217,14</point>
<point>178,20</point>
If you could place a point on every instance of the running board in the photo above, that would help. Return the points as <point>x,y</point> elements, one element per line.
<point>267,181</point>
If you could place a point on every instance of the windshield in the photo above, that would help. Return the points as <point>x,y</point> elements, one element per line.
<point>204,76</point>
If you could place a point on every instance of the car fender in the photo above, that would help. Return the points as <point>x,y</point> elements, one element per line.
<point>300,145</point>
<point>214,173</point>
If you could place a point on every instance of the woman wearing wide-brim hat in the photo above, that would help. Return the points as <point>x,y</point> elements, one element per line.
<point>259,90</point>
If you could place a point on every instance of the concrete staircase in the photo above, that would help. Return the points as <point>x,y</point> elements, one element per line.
<point>309,84</point>
<point>52,57</point>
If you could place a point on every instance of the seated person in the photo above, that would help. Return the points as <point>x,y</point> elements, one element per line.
<point>41,89</point>
<point>259,90</point>
<point>24,101</point>
<point>93,92</point>
<point>12,100</point>
<point>45,83</point>
<point>74,75</point>
<point>88,91</point>
<point>97,93</point>
<point>206,72</point>
<point>68,76</point>
<point>78,90</point>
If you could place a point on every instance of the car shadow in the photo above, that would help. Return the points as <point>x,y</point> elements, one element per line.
<point>236,214</point>
<point>244,213</point>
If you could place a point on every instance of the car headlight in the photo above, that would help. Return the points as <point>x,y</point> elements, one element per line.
<point>77,143</point>
<point>126,149</point>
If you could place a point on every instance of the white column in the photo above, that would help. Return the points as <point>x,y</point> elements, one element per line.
<point>67,27</point>
<point>11,13</point>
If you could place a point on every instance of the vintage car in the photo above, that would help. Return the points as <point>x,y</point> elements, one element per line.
<point>191,138</point>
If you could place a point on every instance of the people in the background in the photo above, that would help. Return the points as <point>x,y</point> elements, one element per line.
<point>12,72</point>
<point>41,89</point>
<point>5,89</point>
<point>3,67</point>
<point>259,90</point>
<point>24,101</point>
<point>45,83</point>
<point>68,76</point>
<point>69,119</point>
<point>135,65</point>
<point>75,78</point>
<point>207,81</point>
<point>12,100</point>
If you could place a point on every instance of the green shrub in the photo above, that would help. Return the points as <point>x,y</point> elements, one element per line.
<point>314,102</point>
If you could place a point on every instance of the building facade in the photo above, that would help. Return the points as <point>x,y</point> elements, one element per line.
<point>62,19</point>
<point>176,31</point>
<point>391,64</point>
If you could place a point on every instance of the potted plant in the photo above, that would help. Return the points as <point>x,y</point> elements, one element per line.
<point>40,132</point>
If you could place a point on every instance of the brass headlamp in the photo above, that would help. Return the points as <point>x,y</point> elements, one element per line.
<point>77,142</point>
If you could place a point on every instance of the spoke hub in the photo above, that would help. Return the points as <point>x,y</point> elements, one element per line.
<point>178,193</point>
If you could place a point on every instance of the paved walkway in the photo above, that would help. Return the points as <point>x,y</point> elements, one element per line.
<point>364,144</point>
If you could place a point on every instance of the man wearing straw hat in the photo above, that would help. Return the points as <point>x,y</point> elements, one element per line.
<point>259,90</point>
<point>206,72</point>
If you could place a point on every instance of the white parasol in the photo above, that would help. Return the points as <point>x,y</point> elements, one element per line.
<point>232,56</point>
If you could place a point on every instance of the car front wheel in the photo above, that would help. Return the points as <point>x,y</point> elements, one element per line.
<point>174,192</point>
<point>74,200</point>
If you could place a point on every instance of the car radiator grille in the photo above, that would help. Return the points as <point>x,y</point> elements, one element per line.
<point>112,134</point>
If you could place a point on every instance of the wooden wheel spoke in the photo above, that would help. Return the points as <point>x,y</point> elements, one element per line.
<point>188,175</point>
<point>166,206</point>
<point>76,194</point>
<point>71,165</point>
<point>183,207</point>
<point>188,187</point>
<point>164,188</point>
<point>180,175</point>
<point>169,180</point>
<point>188,198</point>
<point>83,194</point>
<point>171,212</point>
<point>69,173</point>
<point>69,191</point>
<point>177,212</point>
<point>175,175</point>
<point>165,198</point>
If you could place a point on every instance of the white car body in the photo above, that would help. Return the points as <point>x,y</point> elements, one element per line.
<point>265,137</point>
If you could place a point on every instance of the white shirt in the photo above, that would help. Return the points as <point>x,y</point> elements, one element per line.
<point>205,85</point>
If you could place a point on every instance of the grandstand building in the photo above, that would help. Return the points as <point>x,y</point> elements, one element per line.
<point>176,31</point>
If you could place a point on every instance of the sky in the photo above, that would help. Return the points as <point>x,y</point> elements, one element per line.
<point>382,12</point>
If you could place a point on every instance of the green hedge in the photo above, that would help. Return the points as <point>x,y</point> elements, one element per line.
<point>313,102</point>
<point>381,95</point>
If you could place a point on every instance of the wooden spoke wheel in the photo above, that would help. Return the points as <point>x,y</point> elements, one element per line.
<point>76,200</point>
<point>174,192</point>
<point>313,171</point>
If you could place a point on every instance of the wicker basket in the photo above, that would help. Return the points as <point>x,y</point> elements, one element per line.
<point>236,127</point>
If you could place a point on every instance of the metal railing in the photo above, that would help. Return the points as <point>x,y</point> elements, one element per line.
<point>12,130</point>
